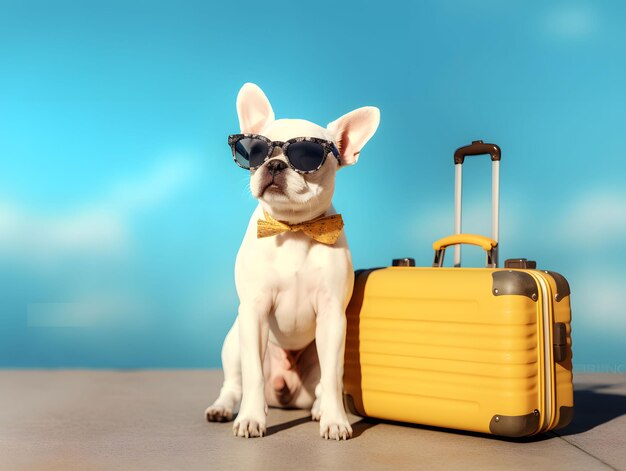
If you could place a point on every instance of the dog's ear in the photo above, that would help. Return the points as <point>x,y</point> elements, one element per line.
<point>254,109</point>
<point>353,130</point>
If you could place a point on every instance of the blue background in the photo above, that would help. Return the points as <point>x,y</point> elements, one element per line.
<point>121,210</point>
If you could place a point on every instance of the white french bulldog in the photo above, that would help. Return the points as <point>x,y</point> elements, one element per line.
<point>295,283</point>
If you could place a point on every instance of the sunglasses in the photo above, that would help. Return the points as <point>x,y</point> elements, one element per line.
<point>304,154</point>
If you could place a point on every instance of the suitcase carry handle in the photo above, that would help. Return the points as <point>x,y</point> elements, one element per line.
<point>477,148</point>
<point>487,244</point>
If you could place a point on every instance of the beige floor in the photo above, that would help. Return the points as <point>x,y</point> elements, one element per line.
<point>153,420</point>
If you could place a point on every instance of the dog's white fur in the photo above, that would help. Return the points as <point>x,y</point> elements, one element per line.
<point>293,291</point>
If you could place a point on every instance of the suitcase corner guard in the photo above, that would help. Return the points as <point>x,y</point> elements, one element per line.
<point>566,414</point>
<point>515,426</point>
<point>507,282</point>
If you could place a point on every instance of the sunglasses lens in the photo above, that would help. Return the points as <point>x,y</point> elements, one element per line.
<point>305,156</point>
<point>250,152</point>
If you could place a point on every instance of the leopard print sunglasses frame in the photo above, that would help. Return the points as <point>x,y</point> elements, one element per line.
<point>327,146</point>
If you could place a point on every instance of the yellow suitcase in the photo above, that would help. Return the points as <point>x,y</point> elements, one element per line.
<point>480,349</point>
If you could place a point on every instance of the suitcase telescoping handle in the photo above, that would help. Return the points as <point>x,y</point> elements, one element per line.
<point>489,245</point>
<point>477,148</point>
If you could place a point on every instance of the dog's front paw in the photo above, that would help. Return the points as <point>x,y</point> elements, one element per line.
<point>218,413</point>
<point>335,430</point>
<point>249,428</point>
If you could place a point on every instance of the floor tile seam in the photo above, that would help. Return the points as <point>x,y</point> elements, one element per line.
<point>575,445</point>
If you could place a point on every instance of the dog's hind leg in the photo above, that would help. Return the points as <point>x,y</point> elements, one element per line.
<point>291,376</point>
<point>230,395</point>
<point>309,367</point>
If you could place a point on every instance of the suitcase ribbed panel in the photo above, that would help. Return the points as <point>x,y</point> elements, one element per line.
<point>437,347</point>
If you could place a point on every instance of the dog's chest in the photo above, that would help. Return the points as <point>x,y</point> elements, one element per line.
<point>297,264</point>
<point>296,278</point>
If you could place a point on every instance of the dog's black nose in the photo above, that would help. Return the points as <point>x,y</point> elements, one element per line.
<point>275,167</point>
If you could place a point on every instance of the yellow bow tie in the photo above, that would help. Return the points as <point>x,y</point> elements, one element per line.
<point>324,229</point>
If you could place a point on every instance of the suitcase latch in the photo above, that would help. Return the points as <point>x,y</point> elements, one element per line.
<point>522,263</point>
<point>559,339</point>
<point>403,262</point>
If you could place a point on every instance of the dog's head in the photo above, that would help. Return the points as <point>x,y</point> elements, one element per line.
<point>288,188</point>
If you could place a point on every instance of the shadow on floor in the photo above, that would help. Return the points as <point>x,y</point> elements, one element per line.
<point>357,427</point>
<point>593,407</point>
<point>361,426</point>
<point>286,425</point>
